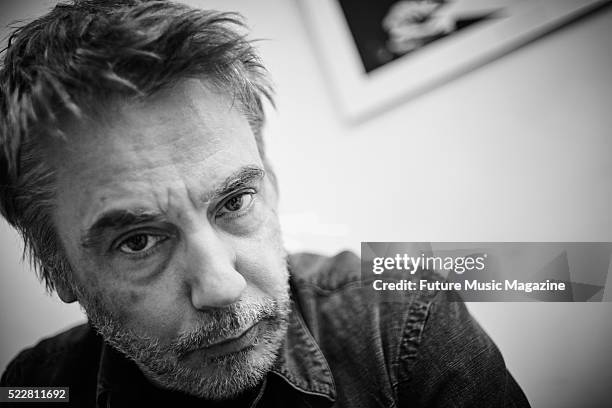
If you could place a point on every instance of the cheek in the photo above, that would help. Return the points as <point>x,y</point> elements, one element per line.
<point>261,259</point>
<point>152,310</point>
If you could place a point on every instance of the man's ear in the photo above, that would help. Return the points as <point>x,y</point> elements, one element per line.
<point>65,293</point>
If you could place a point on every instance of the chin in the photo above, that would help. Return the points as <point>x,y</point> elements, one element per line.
<point>225,376</point>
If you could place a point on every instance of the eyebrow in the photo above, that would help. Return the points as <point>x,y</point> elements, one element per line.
<point>117,219</point>
<point>240,179</point>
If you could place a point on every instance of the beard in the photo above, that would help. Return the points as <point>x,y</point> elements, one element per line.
<point>214,377</point>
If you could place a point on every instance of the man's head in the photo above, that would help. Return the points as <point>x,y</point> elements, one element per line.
<point>133,165</point>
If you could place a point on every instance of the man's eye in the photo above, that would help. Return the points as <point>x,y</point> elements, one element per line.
<point>140,243</point>
<point>236,203</point>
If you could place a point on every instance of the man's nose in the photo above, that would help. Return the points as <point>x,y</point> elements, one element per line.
<point>210,268</point>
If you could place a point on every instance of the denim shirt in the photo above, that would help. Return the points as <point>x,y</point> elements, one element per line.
<point>346,346</point>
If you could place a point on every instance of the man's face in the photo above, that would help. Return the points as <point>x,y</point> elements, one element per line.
<point>169,223</point>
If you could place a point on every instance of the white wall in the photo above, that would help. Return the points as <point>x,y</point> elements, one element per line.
<point>517,150</point>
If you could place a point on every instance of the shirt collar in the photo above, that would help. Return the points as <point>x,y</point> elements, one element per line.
<point>300,363</point>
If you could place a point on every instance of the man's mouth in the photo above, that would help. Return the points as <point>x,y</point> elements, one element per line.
<point>229,345</point>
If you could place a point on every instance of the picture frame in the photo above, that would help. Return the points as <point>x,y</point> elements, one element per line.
<point>361,92</point>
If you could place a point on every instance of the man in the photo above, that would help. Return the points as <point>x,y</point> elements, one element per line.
<point>133,166</point>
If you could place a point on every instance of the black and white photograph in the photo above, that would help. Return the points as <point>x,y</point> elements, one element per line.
<point>295,203</point>
<point>379,54</point>
<point>387,30</point>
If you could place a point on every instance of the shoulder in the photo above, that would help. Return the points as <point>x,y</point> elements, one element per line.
<point>412,343</point>
<point>358,328</point>
<point>63,359</point>
<point>449,360</point>
<point>340,277</point>
<point>319,280</point>
<point>325,273</point>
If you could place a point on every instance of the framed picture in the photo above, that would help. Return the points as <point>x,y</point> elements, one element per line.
<point>380,52</point>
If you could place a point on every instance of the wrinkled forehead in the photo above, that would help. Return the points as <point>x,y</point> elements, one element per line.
<point>186,102</point>
<point>190,117</point>
<point>189,128</point>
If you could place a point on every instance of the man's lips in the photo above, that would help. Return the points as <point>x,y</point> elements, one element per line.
<point>227,346</point>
